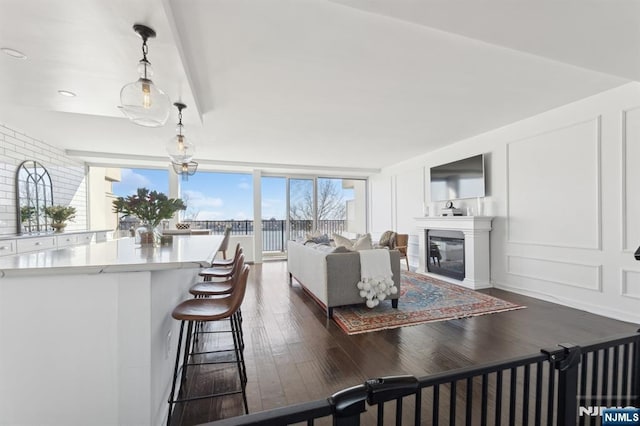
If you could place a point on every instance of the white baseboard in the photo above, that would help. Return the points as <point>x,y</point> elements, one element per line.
<point>594,309</point>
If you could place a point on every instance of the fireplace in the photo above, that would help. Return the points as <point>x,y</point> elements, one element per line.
<point>466,241</point>
<point>445,255</point>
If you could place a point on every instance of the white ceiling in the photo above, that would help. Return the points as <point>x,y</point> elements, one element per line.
<point>350,85</point>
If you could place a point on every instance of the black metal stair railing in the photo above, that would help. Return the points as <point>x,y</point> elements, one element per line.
<point>566,385</point>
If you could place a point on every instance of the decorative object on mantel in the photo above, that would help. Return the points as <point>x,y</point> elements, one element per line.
<point>59,216</point>
<point>142,101</point>
<point>151,207</point>
<point>450,210</point>
<point>424,299</point>
<point>181,149</point>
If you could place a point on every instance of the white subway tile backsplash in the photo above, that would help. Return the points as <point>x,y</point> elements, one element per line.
<point>67,176</point>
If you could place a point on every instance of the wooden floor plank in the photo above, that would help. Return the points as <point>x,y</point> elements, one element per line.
<point>294,354</point>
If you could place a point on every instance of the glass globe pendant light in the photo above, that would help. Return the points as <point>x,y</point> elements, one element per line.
<point>181,149</point>
<point>142,101</point>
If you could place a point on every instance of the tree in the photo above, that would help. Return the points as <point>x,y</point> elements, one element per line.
<point>191,213</point>
<point>331,204</point>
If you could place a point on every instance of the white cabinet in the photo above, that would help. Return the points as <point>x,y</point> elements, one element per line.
<point>31,244</point>
<point>7,247</point>
<point>66,240</point>
<point>86,238</point>
<point>25,244</point>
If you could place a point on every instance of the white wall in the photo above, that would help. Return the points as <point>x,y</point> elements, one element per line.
<point>67,177</point>
<point>101,197</point>
<point>564,187</point>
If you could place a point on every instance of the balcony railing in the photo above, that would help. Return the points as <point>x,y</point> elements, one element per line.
<point>273,231</point>
<point>274,237</point>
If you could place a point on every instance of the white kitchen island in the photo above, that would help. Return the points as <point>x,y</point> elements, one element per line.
<point>86,334</point>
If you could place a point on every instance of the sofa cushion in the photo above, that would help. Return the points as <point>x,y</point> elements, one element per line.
<point>342,241</point>
<point>363,243</point>
<point>341,249</point>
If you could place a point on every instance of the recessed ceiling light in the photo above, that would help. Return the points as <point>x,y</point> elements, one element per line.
<point>66,93</point>
<point>14,53</point>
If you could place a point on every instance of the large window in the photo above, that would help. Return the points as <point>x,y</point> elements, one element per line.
<point>291,206</point>
<point>328,205</point>
<point>217,200</point>
<point>132,179</point>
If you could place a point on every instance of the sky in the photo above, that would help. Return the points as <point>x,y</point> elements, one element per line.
<point>211,196</point>
<point>214,196</point>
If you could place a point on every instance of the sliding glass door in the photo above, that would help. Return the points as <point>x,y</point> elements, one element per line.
<point>301,207</point>
<point>341,206</point>
<point>274,215</point>
<point>295,206</point>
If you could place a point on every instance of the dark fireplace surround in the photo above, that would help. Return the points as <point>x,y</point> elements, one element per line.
<point>445,253</point>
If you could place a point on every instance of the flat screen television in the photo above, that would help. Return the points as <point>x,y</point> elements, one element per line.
<point>458,179</point>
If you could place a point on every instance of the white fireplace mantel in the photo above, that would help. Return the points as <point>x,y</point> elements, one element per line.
<point>476,246</point>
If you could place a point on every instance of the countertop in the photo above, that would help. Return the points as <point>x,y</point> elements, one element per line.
<point>121,255</point>
<point>49,234</point>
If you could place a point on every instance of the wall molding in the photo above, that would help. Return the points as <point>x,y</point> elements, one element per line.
<point>598,139</point>
<point>623,180</point>
<point>597,268</point>
<point>572,303</point>
<point>623,283</point>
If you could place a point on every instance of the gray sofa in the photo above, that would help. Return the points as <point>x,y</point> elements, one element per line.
<point>331,278</point>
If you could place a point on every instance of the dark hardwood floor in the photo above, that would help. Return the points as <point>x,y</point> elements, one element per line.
<point>294,354</point>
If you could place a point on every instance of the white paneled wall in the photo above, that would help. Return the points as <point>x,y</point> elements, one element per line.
<point>408,183</point>
<point>380,206</point>
<point>564,187</point>
<point>630,191</point>
<point>67,176</point>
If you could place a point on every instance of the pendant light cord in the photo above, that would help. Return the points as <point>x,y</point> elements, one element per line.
<point>145,50</point>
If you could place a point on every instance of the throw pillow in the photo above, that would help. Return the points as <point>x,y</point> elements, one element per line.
<point>322,239</point>
<point>342,241</point>
<point>363,243</point>
<point>313,234</point>
<point>392,240</point>
<point>385,238</point>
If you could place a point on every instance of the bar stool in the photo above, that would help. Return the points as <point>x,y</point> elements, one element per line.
<point>226,263</point>
<point>221,288</point>
<point>206,310</point>
<point>221,272</point>
<point>225,242</point>
<point>211,288</point>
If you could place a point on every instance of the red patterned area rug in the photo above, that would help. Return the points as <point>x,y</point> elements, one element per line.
<point>422,299</point>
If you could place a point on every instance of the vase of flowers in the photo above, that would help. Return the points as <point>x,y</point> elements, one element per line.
<point>151,207</point>
<point>59,216</point>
